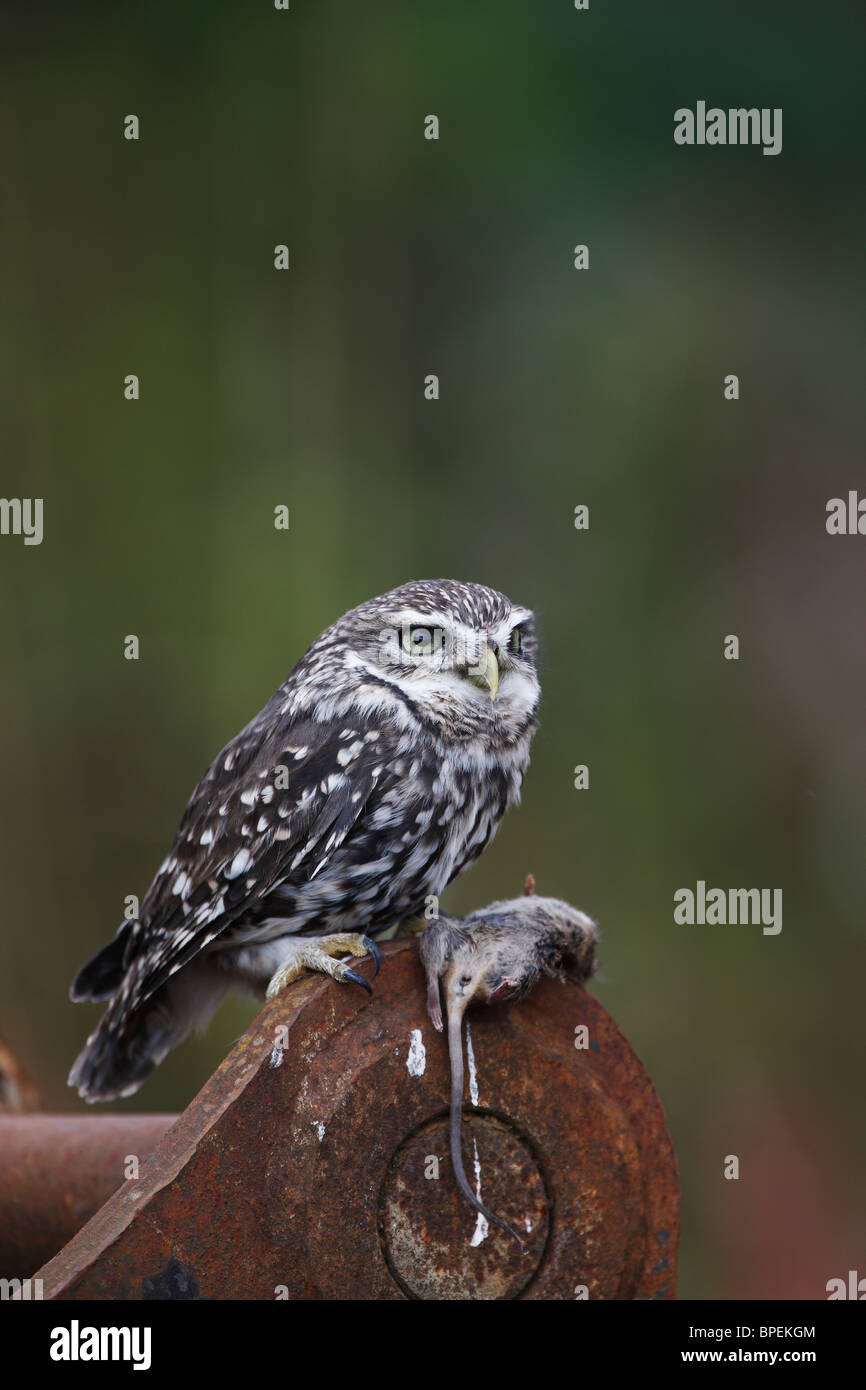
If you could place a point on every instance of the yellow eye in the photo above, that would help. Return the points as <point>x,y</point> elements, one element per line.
<point>421,641</point>
<point>515,641</point>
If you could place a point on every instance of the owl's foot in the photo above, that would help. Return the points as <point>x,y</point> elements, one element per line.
<point>318,952</point>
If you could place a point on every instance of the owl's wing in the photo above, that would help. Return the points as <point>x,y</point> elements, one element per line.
<point>274,805</point>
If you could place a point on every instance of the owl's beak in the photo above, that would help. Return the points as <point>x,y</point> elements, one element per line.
<point>486,674</point>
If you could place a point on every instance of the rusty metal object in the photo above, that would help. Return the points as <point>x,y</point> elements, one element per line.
<point>56,1171</point>
<point>314,1162</point>
<point>421,1232</point>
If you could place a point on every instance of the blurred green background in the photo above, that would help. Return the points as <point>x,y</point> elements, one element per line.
<point>558,387</point>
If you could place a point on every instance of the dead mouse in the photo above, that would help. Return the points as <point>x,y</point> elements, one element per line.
<point>497,954</point>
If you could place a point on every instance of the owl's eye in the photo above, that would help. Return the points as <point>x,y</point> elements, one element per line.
<point>515,641</point>
<point>421,641</point>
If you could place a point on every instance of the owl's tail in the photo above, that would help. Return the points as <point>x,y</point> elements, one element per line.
<point>132,1038</point>
<point>117,1058</point>
<point>102,974</point>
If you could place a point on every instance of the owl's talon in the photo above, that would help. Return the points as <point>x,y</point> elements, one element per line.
<point>357,979</point>
<point>373,950</point>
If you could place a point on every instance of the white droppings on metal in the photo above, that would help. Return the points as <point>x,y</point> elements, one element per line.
<point>481,1226</point>
<point>416,1062</point>
<point>470,1061</point>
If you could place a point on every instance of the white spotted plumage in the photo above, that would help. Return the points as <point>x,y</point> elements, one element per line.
<point>377,772</point>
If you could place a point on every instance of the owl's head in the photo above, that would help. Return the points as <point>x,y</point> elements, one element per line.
<point>463,654</point>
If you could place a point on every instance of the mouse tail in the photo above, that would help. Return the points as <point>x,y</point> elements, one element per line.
<point>455,1049</point>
